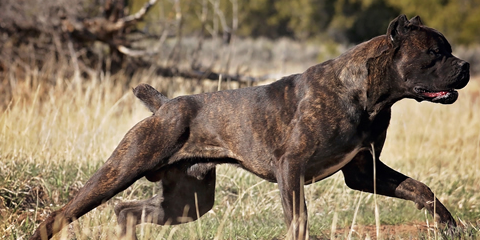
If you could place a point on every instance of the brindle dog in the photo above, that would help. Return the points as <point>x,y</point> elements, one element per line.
<point>295,131</point>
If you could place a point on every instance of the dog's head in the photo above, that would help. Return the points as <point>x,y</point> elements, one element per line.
<point>423,60</point>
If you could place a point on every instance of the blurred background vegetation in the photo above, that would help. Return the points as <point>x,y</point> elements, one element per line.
<point>244,41</point>
<point>345,21</point>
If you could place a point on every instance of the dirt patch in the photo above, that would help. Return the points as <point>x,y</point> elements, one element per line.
<point>418,230</point>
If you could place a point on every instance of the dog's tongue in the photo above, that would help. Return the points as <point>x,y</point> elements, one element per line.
<point>435,94</point>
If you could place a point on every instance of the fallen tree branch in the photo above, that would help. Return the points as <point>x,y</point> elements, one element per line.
<point>210,75</point>
<point>139,15</point>
<point>134,53</point>
<point>102,29</point>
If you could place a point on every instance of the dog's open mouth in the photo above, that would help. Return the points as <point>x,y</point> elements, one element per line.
<point>444,96</point>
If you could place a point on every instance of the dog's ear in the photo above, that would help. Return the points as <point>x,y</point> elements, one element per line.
<point>416,21</point>
<point>397,28</point>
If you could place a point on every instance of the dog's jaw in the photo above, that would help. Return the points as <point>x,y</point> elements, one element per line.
<point>443,96</point>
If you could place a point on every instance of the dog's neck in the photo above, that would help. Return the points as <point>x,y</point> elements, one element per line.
<point>364,71</point>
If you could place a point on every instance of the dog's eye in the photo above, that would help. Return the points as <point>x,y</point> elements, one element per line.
<point>434,52</point>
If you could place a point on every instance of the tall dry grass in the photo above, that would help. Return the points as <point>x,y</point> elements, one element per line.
<point>52,138</point>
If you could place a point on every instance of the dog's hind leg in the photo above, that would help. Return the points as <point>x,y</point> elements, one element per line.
<point>359,176</point>
<point>145,147</point>
<point>187,191</point>
<point>184,197</point>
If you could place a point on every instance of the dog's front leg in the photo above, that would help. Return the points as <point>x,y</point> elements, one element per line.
<point>291,184</point>
<point>359,176</point>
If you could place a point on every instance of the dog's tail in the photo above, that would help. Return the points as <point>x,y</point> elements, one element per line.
<point>152,98</point>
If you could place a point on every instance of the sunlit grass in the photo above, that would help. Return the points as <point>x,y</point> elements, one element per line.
<point>52,139</point>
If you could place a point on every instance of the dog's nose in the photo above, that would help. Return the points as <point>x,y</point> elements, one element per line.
<point>465,66</point>
<point>463,75</point>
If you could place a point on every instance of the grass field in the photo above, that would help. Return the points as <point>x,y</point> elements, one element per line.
<point>53,138</point>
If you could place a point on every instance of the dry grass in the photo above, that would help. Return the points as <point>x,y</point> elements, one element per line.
<point>53,138</point>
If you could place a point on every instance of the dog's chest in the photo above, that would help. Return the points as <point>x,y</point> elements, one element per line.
<point>319,169</point>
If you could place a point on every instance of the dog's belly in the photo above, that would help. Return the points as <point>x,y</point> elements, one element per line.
<point>319,169</point>
<point>263,168</point>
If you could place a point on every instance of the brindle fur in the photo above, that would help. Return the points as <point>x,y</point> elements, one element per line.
<point>297,130</point>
